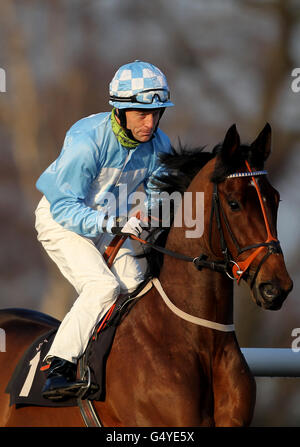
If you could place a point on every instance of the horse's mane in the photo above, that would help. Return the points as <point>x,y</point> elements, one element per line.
<point>180,167</point>
<point>182,164</point>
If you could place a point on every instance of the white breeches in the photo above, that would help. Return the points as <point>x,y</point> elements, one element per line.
<point>81,262</point>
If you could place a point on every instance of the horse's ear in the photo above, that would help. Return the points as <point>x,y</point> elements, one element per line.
<point>231,143</point>
<point>262,144</point>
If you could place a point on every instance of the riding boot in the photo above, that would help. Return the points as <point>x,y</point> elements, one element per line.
<point>61,380</point>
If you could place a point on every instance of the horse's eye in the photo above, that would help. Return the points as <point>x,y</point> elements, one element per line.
<point>234,206</point>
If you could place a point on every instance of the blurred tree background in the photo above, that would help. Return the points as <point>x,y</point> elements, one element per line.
<point>226,62</point>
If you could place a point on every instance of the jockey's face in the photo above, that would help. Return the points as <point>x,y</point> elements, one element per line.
<point>142,123</point>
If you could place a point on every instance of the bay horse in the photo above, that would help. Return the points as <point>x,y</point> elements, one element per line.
<point>176,362</point>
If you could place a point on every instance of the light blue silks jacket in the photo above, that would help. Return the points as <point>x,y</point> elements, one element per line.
<point>94,175</point>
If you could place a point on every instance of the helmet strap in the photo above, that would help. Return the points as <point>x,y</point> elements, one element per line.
<point>121,115</point>
<point>161,112</point>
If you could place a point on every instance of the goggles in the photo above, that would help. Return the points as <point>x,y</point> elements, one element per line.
<point>146,96</point>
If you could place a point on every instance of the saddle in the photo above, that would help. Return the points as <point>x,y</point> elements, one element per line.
<point>27,381</point>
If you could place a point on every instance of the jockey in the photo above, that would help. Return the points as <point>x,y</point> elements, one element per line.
<point>76,219</point>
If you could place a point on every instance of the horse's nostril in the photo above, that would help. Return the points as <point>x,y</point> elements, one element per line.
<point>269,291</point>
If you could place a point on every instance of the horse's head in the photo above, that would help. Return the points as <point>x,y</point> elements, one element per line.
<point>244,216</point>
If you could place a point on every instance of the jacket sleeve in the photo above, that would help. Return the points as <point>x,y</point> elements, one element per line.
<point>66,183</point>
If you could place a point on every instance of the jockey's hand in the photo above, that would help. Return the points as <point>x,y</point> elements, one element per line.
<point>132,226</point>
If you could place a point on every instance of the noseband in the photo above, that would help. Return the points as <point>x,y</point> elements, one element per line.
<point>239,268</point>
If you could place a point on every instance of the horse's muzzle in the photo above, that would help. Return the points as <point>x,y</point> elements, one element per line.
<point>272,295</point>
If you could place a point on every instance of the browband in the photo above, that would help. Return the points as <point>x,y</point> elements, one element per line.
<point>247,174</point>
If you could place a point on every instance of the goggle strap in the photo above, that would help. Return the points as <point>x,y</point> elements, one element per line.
<point>133,98</point>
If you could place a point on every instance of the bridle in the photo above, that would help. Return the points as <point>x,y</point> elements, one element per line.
<point>233,268</point>
<point>239,268</point>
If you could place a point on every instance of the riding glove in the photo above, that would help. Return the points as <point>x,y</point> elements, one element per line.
<point>127,227</point>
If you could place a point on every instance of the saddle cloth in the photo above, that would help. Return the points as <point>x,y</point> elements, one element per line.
<point>27,381</point>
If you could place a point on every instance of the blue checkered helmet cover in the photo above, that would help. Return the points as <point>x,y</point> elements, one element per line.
<point>134,78</point>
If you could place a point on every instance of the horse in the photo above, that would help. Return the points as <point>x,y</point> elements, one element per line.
<point>176,361</point>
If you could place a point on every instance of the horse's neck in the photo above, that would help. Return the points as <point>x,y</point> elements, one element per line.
<point>205,294</point>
